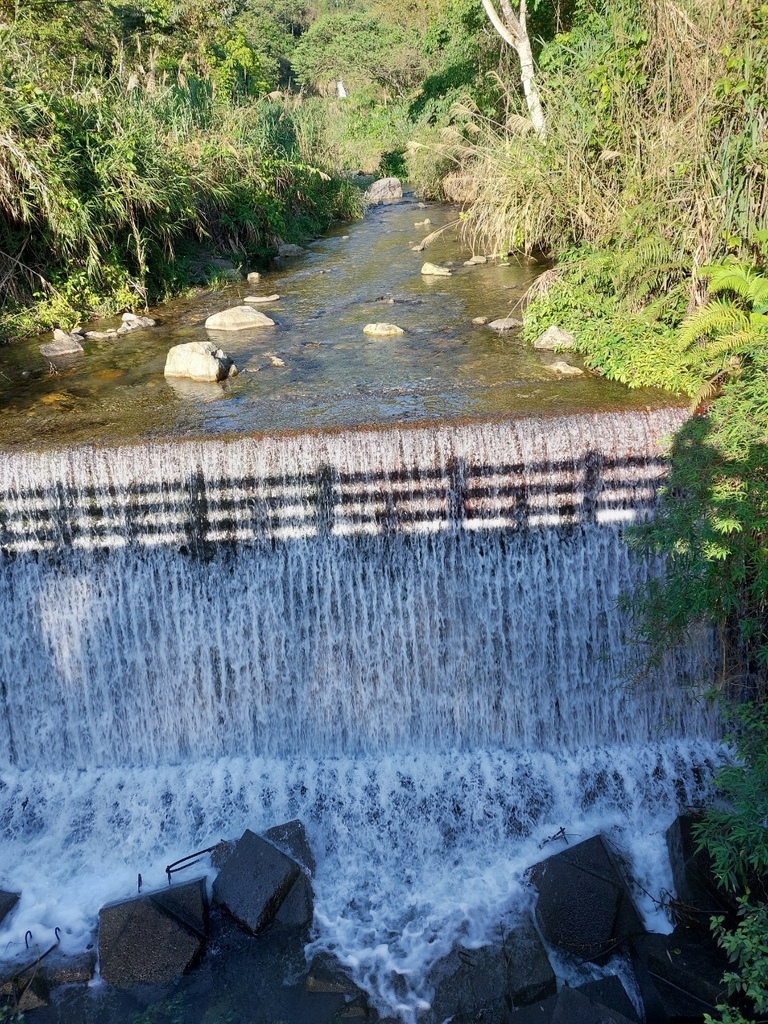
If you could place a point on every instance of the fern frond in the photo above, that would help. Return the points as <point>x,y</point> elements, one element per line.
<point>717,317</point>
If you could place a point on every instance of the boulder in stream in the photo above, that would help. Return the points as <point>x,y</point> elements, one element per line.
<point>506,323</point>
<point>288,249</point>
<point>153,938</point>
<point>432,270</point>
<point>63,344</point>
<point>383,330</point>
<point>555,339</point>
<point>199,360</point>
<point>238,318</point>
<point>385,190</point>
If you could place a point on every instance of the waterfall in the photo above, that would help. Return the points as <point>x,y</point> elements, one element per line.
<point>411,638</point>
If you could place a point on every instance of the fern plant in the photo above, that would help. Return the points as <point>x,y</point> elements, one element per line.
<point>731,328</point>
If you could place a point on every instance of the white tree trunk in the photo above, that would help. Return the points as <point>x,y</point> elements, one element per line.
<point>514,31</point>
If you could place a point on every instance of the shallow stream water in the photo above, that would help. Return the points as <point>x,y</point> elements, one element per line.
<point>443,367</point>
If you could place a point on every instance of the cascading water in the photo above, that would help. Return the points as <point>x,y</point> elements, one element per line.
<point>409,639</point>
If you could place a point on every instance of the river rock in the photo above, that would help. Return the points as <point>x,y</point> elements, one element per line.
<point>475,261</point>
<point>134,322</point>
<point>480,321</point>
<point>254,277</point>
<point>383,330</point>
<point>101,335</point>
<point>584,905</point>
<point>385,190</point>
<point>199,360</point>
<point>63,344</point>
<point>288,249</point>
<point>238,318</point>
<point>555,339</point>
<point>8,901</point>
<point>564,369</point>
<point>256,300</point>
<point>423,223</point>
<point>254,882</point>
<point>507,323</point>
<point>432,270</point>
<point>153,938</point>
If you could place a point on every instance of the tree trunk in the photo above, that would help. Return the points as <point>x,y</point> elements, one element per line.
<point>514,31</point>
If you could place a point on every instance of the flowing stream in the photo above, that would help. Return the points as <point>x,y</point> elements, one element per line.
<point>409,637</point>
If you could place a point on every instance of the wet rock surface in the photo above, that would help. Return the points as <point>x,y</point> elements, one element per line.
<point>8,901</point>
<point>584,904</point>
<point>254,882</point>
<point>154,938</point>
<point>199,361</point>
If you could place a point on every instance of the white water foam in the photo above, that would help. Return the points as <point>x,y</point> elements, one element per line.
<point>414,851</point>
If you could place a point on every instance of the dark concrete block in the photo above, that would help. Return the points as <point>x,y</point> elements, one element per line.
<point>291,838</point>
<point>60,969</point>
<point>529,973</point>
<point>584,905</point>
<point>678,977</point>
<point>490,981</point>
<point>254,882</point>
<point>326,974</point>
<point>297,909</point>
<point>149,939</point>
<point>573,1007</point>
<point>697,894</point>
<point>610,992</point>
<point>8,901</point>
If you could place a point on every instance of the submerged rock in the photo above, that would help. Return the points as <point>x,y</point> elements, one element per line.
<point>382,330</point>
<point>154,938</point>
<point>199,360</point>
<point>385,190</point>
<point>256,300</point>
<point>564,369</point>
<point>101,335</point>
<point>475,261</point>
<point>480,321</point>
<point>287,249</point>
<point>432,270</point>
<point>554,338</point>
<point>507,323</point>
<point>238,318</point>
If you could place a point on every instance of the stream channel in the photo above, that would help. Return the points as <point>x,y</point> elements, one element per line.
<point>376,589</point>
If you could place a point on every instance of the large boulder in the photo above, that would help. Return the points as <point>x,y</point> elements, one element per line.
<point>199,360</point>
<point>8,901</point>
<point>570,1006</point>
<point>385,190</point>
<point>554,339</point>
<point>492,980</point>
<point>254,882</point>
<point>584,905</point>
<point>238,318</point>
<point>288,249</point>
<point>63,344</point>
<point>153,938</point>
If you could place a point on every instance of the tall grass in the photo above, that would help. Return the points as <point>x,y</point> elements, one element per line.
<point>641,139</point>
<point>107,183</point>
